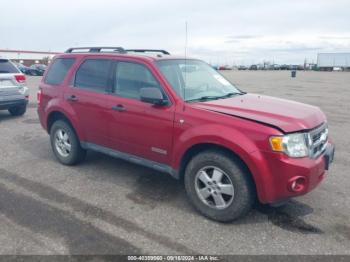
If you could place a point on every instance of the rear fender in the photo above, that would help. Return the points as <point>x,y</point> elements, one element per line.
<point>56,105</point>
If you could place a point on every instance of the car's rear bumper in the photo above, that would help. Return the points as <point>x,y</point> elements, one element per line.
<point>290,177</point>
<point>41,115</point>
<point>6,104</point>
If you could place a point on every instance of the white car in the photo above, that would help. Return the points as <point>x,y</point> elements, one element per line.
<point>14,93</point>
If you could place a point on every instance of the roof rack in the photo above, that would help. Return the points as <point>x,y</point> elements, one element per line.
<point>148,51</point>
<point>96,49</point>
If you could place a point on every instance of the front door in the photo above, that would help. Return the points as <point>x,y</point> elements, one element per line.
<point>139,128</point>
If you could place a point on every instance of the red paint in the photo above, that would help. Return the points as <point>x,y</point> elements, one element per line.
<point>242,124</point>
<point>287,115</point>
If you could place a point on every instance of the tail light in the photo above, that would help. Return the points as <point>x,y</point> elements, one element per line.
<point>38,96</point>
<point>20,78</point>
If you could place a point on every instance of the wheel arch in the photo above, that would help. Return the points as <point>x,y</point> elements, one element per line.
<point>202,147</point>
<point>53,116</point>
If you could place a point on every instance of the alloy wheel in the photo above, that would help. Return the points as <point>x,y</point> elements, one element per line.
<point>214,187</point>
<point>62,143</point>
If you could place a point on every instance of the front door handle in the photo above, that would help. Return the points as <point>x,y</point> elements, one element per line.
<point>119,108</point>
<point>72,98</point>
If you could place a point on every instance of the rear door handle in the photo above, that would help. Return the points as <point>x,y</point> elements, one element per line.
<point>72,98</point>
<point>119,108</point>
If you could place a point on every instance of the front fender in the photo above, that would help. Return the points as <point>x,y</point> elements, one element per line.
<point>231,139</point>
<point>216,134</point>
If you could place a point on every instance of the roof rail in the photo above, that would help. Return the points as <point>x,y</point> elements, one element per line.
<point>148,51</point>
<point>96,49</point>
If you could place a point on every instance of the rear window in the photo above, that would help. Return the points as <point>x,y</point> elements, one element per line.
<point>7,67</point>
<point>58,71</point>
<point>93,74</point>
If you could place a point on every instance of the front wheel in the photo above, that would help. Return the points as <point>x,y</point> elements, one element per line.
<point>65,143</point>
<point>219,186</point>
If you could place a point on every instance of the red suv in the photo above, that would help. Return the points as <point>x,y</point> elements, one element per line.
<point>181,117</point>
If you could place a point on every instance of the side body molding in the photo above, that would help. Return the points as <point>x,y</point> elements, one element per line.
<point>132,158</point>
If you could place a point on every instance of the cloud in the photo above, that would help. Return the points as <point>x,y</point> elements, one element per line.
<point>223,30</point>
<point>243,37</point>
<point>328,37</point>
<point>240,38</point>
<point>294,49</point>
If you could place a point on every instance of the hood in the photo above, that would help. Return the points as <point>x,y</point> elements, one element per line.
<point>286,115</point>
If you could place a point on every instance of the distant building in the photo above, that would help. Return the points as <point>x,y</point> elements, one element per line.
<point>329,61</point>
<point>27,57</point>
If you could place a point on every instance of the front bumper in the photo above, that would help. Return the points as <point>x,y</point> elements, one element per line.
<point>291,177</point>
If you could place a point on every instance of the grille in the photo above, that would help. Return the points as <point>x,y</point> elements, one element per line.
<point>318,138</point>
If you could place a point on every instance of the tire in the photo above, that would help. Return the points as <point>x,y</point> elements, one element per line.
<point>18,110</point>
<point>62,135</point>
<point>236,203</point>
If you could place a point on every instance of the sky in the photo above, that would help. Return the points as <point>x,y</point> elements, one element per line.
<point>220,32</point>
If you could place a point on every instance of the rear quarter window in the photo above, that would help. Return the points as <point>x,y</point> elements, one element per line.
<point>6,67</point>
<point>58,71</point>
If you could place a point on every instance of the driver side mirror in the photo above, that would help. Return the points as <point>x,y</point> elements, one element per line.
<point>152,95</point>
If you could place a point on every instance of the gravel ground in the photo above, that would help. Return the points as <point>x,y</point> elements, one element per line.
<point>108,206</point>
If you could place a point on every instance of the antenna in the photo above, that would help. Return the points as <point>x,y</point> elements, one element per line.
<point>185,39</point>
<point>184,89</point>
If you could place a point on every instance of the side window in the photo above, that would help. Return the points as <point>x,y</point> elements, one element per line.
<point>131,77</point>
<point>173,75</point>
<point>58,71</point>
<point>93,74</point>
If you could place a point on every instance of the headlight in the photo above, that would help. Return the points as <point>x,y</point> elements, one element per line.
<point>294,145</point>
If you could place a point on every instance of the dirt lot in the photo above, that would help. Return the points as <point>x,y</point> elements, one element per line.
<point>107,205</point>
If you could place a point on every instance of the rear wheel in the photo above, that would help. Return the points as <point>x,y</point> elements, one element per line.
<point>18,110</point>
<point>65,143</point>
<point>218,186</point>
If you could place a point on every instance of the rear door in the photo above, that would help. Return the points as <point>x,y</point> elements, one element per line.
<point>88,97</point>
<point>52,85</point>
<point>139,128</point>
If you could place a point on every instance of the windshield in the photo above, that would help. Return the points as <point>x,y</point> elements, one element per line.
<point>194,80</point>
<point>41,66</point>
<point>38,66</point>
<point>19,65</point>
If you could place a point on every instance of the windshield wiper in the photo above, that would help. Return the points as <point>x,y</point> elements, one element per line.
<point>231,94</point>
<point>203,98</point>
<point>206,98</point>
